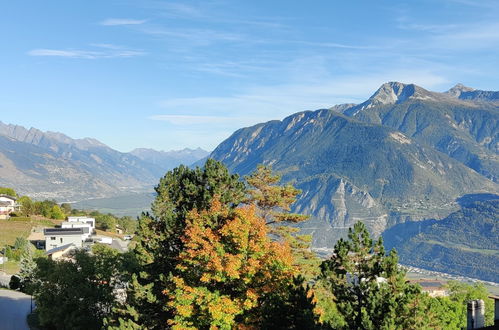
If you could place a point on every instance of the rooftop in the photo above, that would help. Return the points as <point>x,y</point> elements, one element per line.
<point>8,196</point>
<point>62,231</point>
<point>60,248</point>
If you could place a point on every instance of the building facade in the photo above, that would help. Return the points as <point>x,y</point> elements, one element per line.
<point>90,221</point>
<point>57,237</point>
<point>8,205</point>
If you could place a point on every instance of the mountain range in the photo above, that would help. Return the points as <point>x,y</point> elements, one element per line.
<point>166,160</point>
<point>53,165</point>
<point>404,154</point>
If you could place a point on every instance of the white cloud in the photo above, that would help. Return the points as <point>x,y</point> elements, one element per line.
<point>86,54</point>
<point>122,21</point>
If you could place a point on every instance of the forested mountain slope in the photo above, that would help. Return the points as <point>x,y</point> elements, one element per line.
<point>350,170</point>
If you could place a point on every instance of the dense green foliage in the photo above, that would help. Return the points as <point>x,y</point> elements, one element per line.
<point>465,243</point>
<point>368,287</point>
<point>205,260</point>
<point>78,293</point>
<point>8,191</point>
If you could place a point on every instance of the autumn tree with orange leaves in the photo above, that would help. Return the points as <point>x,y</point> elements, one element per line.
<point>228,266</point>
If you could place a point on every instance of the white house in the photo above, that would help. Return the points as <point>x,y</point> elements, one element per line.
<point>56,237</point>
<point>7,206</point>
<point>88,220</point>
<point>86,227</point>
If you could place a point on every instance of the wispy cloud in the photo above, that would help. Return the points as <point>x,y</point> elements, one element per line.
<point>111,52</point>
<point>274,102</point>
<point>181,120</point>
<point>122,21</point>
<point>201,117</point>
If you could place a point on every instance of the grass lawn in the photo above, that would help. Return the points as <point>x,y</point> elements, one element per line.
<point>10,230</point>
<point>10,267</point>
<point>21,227</point>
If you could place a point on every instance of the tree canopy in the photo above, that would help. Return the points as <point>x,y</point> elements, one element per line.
<point>369,289</point>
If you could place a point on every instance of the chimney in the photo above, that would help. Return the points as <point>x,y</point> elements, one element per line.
<point>476,314</point>
<point>480,314</point>
<point>470,318</point>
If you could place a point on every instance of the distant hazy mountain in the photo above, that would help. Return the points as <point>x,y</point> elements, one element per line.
<point>384,161</point>
<point>465,243</point>
<point>167,160</point>
<point>53,165</point>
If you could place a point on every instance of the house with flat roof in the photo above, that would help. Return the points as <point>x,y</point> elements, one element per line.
<point>56,237</point>
<point>86,227</point>
<point>83,219</point>
<point>8,205</point>
<point>434,288</point>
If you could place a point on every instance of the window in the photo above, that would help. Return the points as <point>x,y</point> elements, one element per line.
<point>52,238</point>
<point>61,239</point>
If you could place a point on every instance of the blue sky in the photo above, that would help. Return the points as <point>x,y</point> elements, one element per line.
<point>175,74</point>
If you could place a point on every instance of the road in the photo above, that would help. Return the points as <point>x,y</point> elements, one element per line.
<point>14,307</point>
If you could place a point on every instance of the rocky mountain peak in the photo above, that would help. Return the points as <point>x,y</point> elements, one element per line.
<point>457,90</point>
<point>396,92</point>
<point>392,93</point>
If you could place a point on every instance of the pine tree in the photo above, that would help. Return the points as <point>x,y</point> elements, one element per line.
<point>368,287</point>
<point>273,201</point>
<point>293,305</point>
<point>27,271</point>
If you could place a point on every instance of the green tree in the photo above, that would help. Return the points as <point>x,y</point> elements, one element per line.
<point>160,237</point>
<point>66,208</point>
<point>8,191</point>
<point>80,293</point>
<point>44,208</point>
<point>27,271</point>
<point>128,224</point>
<point>460,293</point>
<point>368,287</point>
<point>56,213</point>
<point>27,206</point>
<point>273,200</point>
<point>105,222</point>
